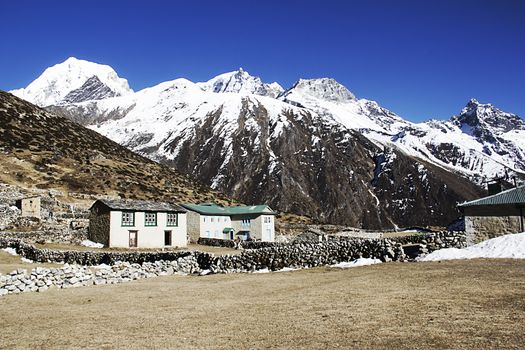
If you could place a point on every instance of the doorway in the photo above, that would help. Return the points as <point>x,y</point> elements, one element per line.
<point>167,238</point>
<point>133,238</point>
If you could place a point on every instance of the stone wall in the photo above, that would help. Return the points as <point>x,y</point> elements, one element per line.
<point>99,226</point>
<point>63,235</point>
<point>33,253</point>
<point>480,228</point>
<point>193,225</point>
<point>274,256</point>
<point>126,266</point>
<point>41,279</point>
<point>303,255</point>
<point>227,243</point>
<point>430,241</point>
<point>435,240</point>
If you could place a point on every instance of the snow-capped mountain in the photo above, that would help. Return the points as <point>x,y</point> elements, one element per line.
<point>70,77</point>
<point>314,149</point>
<point>482,142</point>
<point>332,100</point>
<point>241,82</point>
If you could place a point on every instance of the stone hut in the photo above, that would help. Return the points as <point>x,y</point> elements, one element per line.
<point>495,215</point>
<point>137,224</point>
<point>29,206</point>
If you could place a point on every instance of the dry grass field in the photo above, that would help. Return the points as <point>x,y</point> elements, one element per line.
<point>9,263</point>
<point>477,304</point>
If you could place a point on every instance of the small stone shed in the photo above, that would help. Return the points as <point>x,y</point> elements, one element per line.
<point>137,224</point>
<point>29,206</point>
<point>495,215</point>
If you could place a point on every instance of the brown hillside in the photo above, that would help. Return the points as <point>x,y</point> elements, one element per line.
<point>42,150</point>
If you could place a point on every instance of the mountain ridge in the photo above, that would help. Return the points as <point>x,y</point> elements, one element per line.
<point>208,129</point>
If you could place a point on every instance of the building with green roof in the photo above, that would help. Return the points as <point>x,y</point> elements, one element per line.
<point>244,222</point>
<point>495,215</point>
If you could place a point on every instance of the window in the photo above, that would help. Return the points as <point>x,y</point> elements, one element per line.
<point>245,222</point>
<point>211,219</point>
<point>267,219</point>
<point>203,219</point>
<point>128,218</point>
<point>225,219</point>
<point>172,219</point>
<point>150,219</point>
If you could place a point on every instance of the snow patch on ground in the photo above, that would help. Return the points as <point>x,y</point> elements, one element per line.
<point>509,246</point>
<point>357,262</point>
<point>91,244</point>
<point>265,270</point>
<point>102,266</point>
<point>10,250</point>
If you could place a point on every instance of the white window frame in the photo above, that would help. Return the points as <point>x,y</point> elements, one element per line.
<point>150,219</point>
<point>129,221</point>
<point>172,219</point>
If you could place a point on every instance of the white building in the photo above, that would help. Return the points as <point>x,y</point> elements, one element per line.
<point>249,222</point>
<point>137,224</point>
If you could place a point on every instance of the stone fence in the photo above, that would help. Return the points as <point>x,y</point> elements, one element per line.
<point>87,257</point>
<point>216,242</point>
<point>119,267</point>
<point>257,255</point>
<point>303,255</point>
<point>435,240</point>
<point>62,235</point>
<point>70,276</point>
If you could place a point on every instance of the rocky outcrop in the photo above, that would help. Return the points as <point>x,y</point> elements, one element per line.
<point>92,89</point>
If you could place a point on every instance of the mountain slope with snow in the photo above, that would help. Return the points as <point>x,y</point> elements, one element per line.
<point>482,142</point>
<point>313,149</point>
<point>56,82</point>
<point>241,82</point>
<point>304,152</point>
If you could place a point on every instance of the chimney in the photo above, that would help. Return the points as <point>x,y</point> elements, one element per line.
<point>494,187</point>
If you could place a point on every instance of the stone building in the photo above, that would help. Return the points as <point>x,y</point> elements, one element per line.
<point>137,224</point>
<point>248,222</point>
<point>495,215</point>
<point>29,206</point>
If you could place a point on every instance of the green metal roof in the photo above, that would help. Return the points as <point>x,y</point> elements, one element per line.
<point>214,209</point>
<point>512,196</point>
<point>227,230</point>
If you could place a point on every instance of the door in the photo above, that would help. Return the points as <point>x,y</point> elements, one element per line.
<point>268,234</point>
<point>167,238</point>
<point>133,239</point>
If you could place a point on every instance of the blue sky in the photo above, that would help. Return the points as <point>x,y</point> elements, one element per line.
<point>421,59</point>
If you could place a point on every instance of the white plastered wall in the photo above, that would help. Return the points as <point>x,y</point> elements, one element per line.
<point>148,236</point>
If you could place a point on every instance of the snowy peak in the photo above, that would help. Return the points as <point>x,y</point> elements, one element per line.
<point>326,89</point>
<point>71,76</point>
<point>242,82</point>
<point>92,89</point>
<point>478,118</point>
